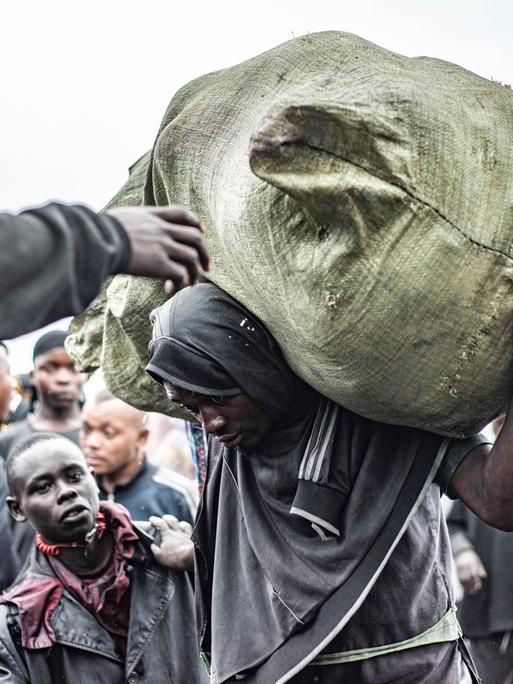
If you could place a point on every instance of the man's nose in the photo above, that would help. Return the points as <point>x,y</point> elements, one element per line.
<point>211,420</point>
<point>65,492</point>
<point>91,440</point>
<point>64,375</point>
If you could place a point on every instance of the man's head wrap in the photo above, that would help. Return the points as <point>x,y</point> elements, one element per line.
<point>206,342</point>
<point>50,340</point>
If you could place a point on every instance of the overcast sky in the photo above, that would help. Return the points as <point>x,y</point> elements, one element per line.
<point>85,85</point>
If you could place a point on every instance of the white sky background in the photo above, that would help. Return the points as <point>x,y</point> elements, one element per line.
<point>85,85</point>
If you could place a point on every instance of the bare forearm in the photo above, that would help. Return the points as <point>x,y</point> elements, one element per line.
<point>484,480</point>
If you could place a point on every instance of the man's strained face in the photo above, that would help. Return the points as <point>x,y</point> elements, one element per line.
<point>235,420</point>
<point>55,491</point>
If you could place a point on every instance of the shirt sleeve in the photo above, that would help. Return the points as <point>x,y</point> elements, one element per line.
<point>456,452</point>
<point>53,261</point>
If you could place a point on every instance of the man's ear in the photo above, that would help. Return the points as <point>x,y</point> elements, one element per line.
<point>15,509</point>
<point>143,436</point>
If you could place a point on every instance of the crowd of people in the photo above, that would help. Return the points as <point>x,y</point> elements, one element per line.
<point>319,551</point>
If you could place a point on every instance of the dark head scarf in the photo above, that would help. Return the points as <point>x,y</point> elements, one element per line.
<point>50,340</point>
<point>206,342</point>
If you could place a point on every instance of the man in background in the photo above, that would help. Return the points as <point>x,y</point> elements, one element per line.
<point>483,558</point>
<point>59,388</point>
<point>113,438</point>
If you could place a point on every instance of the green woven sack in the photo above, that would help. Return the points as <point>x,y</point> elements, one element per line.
<point>359,202</point>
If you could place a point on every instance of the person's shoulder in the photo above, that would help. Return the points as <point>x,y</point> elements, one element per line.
<point>455,453</point>
<point>12,435</point>
<point>175,481</point>
<point>171,484</point>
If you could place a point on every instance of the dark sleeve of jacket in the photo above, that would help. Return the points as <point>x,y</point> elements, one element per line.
<point>9,564</point>
<point>457,522</point>
<point>12,667</point>
<point>53,261</point>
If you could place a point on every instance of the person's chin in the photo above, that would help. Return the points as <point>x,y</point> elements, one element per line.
<point>63,403</point>
<point>99,466</point>
<point>75,527</point>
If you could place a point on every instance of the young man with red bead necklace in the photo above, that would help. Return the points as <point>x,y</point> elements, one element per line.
<point>92,605</point>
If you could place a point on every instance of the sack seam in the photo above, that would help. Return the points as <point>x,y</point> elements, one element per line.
<point>406,192</point>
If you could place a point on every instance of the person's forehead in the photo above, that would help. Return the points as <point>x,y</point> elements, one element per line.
<point>111,412</point>
<point>181,392</point>
<point>47,458</point>
<point>57,355</point>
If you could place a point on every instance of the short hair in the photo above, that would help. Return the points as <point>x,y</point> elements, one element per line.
<point>104,395</point>
<point>23,445</point>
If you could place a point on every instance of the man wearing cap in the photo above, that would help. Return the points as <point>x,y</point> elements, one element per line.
<point>58,386</point>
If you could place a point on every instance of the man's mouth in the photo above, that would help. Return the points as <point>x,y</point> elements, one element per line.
<point>63,396</point>
<point>74,512</point>
<point>94,461</point>
<point>231,439</point>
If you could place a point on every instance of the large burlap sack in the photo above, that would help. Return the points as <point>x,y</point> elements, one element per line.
<point>360,203</point>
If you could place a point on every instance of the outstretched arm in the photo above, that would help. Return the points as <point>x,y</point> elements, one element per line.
<point>53,260</point>
<point>484,480</point>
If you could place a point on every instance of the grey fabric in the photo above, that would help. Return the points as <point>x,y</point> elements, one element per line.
<point>433,664</point>
<point>53,261</point>
<point>414,590</point>
<point>493,655</point>
<point>284,573</point>
<point>161,643</point>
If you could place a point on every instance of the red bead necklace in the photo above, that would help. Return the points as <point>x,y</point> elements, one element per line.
<point>54,549</point>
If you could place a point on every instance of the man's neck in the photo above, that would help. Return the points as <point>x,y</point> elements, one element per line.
<point>49,419</point>
<point>110,481</point>
<point>88,560</point>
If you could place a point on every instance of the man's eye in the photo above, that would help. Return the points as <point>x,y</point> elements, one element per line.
<point>218,400</point>
<point>75,477</point>
<point>42,487</point>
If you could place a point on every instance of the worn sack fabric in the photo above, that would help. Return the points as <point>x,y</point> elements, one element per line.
<point>360,204</point>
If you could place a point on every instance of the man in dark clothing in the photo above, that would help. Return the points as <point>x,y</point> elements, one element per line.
<point>329,525</point>
<point>59,389</point>
<point>113,437</point>
<point>92,605</point>
<point>484,560</point>
<point>53,260</point>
